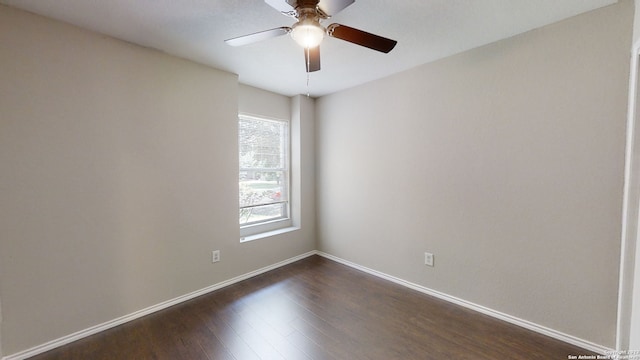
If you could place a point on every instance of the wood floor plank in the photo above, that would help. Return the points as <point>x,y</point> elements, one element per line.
<point>230,339</point>
<point>263,328</point>
<point>310,347</point>
<point>316,309</point>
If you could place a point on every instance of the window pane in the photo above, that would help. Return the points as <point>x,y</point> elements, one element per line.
<point>262,213</point>
<point>262,187</point>
<point>262,144</point>
<point>264,170</point>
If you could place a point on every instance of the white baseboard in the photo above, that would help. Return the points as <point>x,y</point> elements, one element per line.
<point>138,314</point>
<point>452,299</point>
<point>587,345</point>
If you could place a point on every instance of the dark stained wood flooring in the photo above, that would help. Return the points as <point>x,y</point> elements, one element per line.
<point>315,309</point>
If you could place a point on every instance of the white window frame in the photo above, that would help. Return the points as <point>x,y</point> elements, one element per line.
<point>258,230</point>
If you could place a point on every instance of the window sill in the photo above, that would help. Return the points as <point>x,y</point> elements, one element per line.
<point>267,234</point>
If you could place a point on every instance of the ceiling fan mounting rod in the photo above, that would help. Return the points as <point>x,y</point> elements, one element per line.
<point>307,4</point>
<point>308,9</point>
<point>306,13</point>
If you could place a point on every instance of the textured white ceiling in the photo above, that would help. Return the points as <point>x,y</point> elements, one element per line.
<point>196,30</point>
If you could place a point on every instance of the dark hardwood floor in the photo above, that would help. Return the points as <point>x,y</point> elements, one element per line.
<point>315,309</point>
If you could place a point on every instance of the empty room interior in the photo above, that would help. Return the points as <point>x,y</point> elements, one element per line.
<point>443,180</point>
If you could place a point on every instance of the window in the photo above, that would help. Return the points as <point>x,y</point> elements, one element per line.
<point>264,174</point>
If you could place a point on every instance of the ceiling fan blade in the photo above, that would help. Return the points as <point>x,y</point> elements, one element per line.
<point>287,7</point>
<point>361,38</point>
<point>332,7</point>
<point>259,36</point>
<point>312,59</point>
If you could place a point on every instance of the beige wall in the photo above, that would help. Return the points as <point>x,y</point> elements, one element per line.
<point>119,177</point>
<point>505,161</point>
<point>256,101</point>
<point>636,23</point>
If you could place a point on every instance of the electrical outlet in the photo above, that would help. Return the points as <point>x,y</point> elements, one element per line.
<point>215,256</point>
<point>428,259</point>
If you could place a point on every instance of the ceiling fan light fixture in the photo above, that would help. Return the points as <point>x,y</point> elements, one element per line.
<point>308,33</point>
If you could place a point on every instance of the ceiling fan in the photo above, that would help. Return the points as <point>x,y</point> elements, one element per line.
<point>308,32</point>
